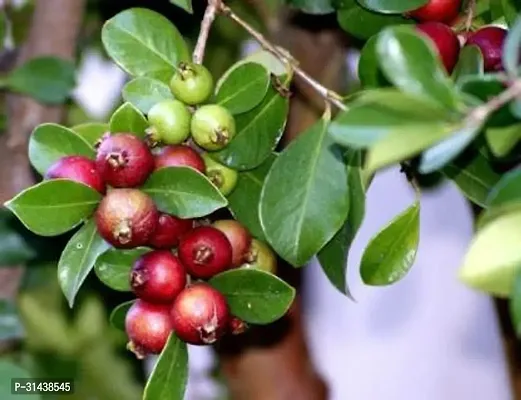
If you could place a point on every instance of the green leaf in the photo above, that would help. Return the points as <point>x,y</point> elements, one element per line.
<point>502,140</point>
<point>268,60</point>
<point>53,207</point>
<point>510,9</point>
<point>113,267</point>
<point>515,304</point>
<point>144,93</point>
<point>369,71</point>
<point>91,132</point>
<point>170,374</point>
<point>246,196</point>
<point>15,247</point>
<point>50,142</point>
<point>47,79</point>
<point>254,296</point>
<point>258,132</point>
<point>512,50</point>
<point>243,88</point>
<point>119,313</point>
<point>144,43</point>
<point>493,259</point>
<point>10,324</point>
<point>128,118</point>
<point>183,192</point>
<point>184,4</point>
<point>390,254</point>
<point>411,63</point>
<point>312,6</point>
<point>78,259</point>
<point>10,371</point>
<point>301,212</point>
<point>392,6</point>
<point>470,62</point>
<point>507,190</point>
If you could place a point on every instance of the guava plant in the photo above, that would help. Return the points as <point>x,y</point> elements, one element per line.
<point>441,89</point>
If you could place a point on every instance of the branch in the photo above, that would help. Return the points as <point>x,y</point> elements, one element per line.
<point>471,9</point>
<point>481,113</point>
<point>206,24</point>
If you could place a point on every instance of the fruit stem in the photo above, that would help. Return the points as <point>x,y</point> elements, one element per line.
<point>206,24</point>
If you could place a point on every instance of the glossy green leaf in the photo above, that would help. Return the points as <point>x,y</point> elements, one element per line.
<point>254,296</point>
<point>170,374</point>
<point>144,43</point>
<point>258,132</point>
<point>144,93</point>
<point>301,212</point>
<point>507,190</point>
<point>369,71</point>
<point>502,140</point>
<point>313,6</point>
<point>390,254</point>
<point>512,49</point>
<point>184,4</point>
<point>183,192</point>
<point>91,132</point>
<point>10,325</point>
<point>114,265</point>
<point>268,60</point>
<point>470,62</point>
<point>50,142</point>
<point>78,259</point>
<point>128,118</point>
<point>392,6</point>
<point>9,371</point>
<point>53,207</point>
<point>119,313</point>
<point>47,79</point>
<point>245,198</point>
<point>243,88</point>
<point>515,304</point>
<point>493,259</point>
<point>411,63</point>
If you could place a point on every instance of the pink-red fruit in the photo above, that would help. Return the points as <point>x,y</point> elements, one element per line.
<point>238,236</point>
<point>200,315</point>
<point>124,160</point>
<point>437,10</point>
<point>490,41</point>
<point>126,218</point>
<point>157,277</point>
<point>148,327</point>
<point>179,156</point>
<point>79,169</point>
<point>169,230</point>
<point>237,326</point>
<point>445,41</point>
<point>205,252</point>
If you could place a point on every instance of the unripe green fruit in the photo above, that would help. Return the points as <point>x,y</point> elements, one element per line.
<point>260,257</point>
<point>192,83</point>
<point>221,176</point>
<point>169,122</point>
<point>213,127</point>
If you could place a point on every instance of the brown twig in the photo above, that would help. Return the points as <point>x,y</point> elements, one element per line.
<point>479,114</point>
<point>206,25</point>
<point>471,10</point>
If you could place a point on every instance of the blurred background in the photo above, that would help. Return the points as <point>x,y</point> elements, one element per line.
<point>427,337</point>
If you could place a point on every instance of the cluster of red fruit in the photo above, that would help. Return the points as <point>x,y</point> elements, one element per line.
<point>436,19</point>
<point>169,298</point>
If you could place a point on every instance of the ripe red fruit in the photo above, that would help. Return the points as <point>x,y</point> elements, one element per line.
<point>490,40</point>
<point>126,218</point>
<point>158,277</point>
<point>437,10</point>
<point>445,41</point>
<point>124,160</point>
<point>148,327</point>
<point>237,326</point>
<point>200,315</point>
<point>238,236</point>
<point>179,156</point>
<point>169,230</point>
<point>79,169</point>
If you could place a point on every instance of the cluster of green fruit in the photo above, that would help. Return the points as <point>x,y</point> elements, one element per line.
<point>169,280</point>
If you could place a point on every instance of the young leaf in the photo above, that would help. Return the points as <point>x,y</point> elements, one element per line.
<point>119,313</point>
<point>300,213</point>
<point>243,88</point>
<point>184,4</point>
<point>144,93</point>
<point>10,325</point>
<point>53,207</point>
<point>113,267</point>
<point>470,62</point>
<point>258,132</point>
<point>50,142</point>
<point>78,258</point>
<point>502,140</point>
<point>512,50</point>
<point>128,118</point>
<point>390,254</point>
<point>254,296</point>
<point>392,6</point>
<point>144,43</point>
<point>170,374</point>
<point>515,304</point>
<point>91,132</point>
<point>183,192</point>
<point>47,79</point>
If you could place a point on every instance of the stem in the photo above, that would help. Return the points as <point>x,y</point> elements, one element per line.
<point>470,14</point>
<point>206,24</point>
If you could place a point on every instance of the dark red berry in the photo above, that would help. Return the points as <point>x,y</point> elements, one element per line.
<point>158,277</point>
<point>124,160</point>
<point>445,41</point>
<point>490,41</point>
<point>200,315</point>
<point>437,10</point>
<point>239,238</point>
<point>79,169</point>
<point>126,218</point>
<point>237,326</point>
<point>205,252</point>
<point>179,156</point>
<point>169,230</point>
<point>148,327</point>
